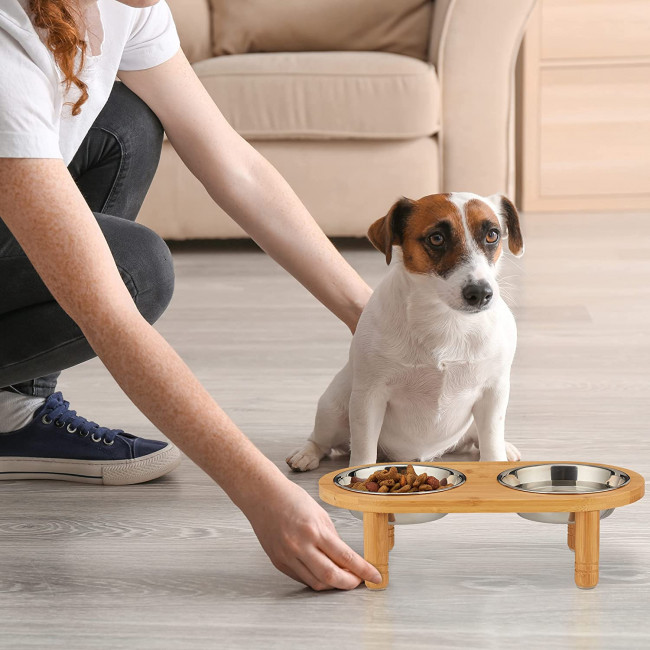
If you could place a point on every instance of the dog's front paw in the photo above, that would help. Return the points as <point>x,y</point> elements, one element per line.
<point>305,459</point>
<point>512,452</point>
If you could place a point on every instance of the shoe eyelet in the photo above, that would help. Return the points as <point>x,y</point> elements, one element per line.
<point>109,443</point>
<point>83,434</point>
<point>94,439</point>
<point>46,420</point>
<point>71,429</point>
<point>58,424</point>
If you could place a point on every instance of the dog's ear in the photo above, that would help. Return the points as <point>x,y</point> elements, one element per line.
<point>389,229</point>
<point>508,213</point>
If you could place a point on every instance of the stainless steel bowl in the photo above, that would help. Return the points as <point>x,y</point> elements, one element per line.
<point>562,479</point>
<point>453,477</point>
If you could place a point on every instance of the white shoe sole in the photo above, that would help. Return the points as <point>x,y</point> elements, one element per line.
<point>112,472</point>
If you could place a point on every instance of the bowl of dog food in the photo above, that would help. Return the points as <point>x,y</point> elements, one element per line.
<point>562,479</point>
<point>400,479</point>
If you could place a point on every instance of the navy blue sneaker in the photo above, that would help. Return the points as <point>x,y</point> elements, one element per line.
<point>59,444</point>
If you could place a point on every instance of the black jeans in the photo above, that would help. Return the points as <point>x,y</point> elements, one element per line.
<point>113,168</point>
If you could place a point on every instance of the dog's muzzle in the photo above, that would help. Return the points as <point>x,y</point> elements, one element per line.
<point>478,294</point>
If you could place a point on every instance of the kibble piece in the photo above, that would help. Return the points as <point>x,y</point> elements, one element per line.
<point>393,473</point>
<point>383,488</point>
<point>433,482</point>
<point>425,487</point>
<point>389,482</point>
<point>418,481</point>
<point>372,486</point>
<point>443,481</point>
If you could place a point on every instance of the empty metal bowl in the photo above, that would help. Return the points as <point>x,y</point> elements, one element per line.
<point>562,479</point>
<point>453,477</point>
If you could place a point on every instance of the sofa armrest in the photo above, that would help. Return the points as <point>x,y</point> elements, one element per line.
<point>474,48</point>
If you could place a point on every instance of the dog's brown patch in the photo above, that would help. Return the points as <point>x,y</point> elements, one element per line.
<point>515,238</point>
<point>433,214</point>
<point>480,221</point>
<point>389,230</point>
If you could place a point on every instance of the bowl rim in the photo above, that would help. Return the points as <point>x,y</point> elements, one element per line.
<point>614,472</point>
<point>453,472</point>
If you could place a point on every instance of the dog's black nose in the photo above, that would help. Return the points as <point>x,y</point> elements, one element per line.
<point>477,295</point>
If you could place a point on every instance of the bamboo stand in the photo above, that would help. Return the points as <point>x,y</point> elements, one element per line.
<point>482,493</point>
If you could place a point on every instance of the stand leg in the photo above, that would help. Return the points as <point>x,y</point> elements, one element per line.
<point>376,545</point>
<point>391,537</point>
<point>587,544</point>
<point>571,536</point>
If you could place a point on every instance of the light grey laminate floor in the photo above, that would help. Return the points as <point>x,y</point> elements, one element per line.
<point>172,564</point>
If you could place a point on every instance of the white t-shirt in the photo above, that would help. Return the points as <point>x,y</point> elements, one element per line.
<point>35,121</point>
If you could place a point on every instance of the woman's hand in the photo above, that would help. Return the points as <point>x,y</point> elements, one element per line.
<point>301,541</point>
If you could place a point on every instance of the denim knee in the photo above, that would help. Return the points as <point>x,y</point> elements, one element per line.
<point>146,266</point>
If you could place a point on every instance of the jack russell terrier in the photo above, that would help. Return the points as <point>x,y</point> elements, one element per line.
<point>429,365</point>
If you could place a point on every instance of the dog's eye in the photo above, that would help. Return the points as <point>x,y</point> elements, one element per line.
<point>436,239</point>
<point>492,236</point>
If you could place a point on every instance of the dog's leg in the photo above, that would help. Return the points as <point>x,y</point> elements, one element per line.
<point>367,410</point>
<point>331,428</point>
<point>467,442</point>
<point>489,415</point>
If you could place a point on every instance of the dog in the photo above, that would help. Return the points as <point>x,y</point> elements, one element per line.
<point>429,365</point>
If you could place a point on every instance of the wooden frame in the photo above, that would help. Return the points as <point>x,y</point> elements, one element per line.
<point>483,493</point>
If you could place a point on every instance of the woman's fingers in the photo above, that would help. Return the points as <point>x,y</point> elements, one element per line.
<point>327,572</point>
<point>336,549</point>
<point>309,578</point>
<point>300,573</point>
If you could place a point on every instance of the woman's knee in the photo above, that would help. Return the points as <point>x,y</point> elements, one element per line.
<point>145,264</point>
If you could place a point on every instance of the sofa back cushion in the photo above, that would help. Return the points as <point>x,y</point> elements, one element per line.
<point>192,18</point>
<point>399,26</point>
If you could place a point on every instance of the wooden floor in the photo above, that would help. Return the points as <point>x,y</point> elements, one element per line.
<point>172,564</point>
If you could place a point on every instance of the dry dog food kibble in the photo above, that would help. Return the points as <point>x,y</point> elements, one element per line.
<point>391,479</point>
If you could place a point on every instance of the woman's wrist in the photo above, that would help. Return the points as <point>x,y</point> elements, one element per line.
<point>260,483</point>
<point>355,307</point>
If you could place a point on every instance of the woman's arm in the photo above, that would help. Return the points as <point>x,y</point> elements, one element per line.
<point>247,186</point>
<point>47,214</point>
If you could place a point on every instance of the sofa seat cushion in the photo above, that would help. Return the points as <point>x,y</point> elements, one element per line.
<point>324,95</point>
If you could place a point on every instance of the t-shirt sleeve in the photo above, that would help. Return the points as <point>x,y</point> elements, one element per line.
<point>29,120</point>
<point>153,39</point>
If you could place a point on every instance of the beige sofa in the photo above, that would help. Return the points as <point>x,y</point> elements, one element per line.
<point>399,97</point>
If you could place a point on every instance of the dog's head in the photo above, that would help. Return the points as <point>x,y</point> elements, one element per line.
<point>454,239</point>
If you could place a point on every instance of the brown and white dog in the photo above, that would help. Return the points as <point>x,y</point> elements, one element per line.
<point>429,365</point>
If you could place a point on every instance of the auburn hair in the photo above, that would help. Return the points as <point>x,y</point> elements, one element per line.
<point>60,22</point>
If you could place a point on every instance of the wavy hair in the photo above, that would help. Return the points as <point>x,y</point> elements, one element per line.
<point>60,22</point>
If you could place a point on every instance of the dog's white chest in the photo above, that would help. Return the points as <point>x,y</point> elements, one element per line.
<point>429,409</point>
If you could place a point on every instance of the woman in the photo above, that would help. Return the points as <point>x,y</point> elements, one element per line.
<point>79,277</point>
